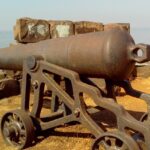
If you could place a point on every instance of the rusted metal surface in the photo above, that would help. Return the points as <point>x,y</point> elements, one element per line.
<point>63,67</point>
<point>103,49</point>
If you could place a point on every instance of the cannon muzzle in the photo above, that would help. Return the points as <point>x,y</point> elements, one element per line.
<point>141,53</point>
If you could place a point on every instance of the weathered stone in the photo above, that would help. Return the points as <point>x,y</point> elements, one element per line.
<point>9,87</point>
<point>29,30</point>
<point>61,28</point>
<point>14,43</point>
<point>2,74</point>
<point>86,27</point>
<point>120,26</point>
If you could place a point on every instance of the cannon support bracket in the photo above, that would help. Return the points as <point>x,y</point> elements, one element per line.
<point>67,103</point>
<point>65,91</point>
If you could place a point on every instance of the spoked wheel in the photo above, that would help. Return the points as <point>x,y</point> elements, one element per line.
<point>144,117</point>
<point>17,129</point>
<point>114,141</point>
<point>138,137</point>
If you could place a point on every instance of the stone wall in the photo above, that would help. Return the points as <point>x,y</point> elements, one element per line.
<point>29,30</point>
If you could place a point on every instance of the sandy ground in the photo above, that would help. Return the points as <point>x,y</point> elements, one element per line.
<point>77,137</point>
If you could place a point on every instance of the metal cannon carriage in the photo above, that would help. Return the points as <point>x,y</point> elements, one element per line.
<point>65,67</point>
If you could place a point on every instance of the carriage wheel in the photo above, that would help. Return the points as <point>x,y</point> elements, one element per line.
<point>17,129</point>
<point>144,117</point>
<point>114,141</point>
<point>138,137</point>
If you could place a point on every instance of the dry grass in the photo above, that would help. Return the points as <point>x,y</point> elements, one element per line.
<point>76,137</point>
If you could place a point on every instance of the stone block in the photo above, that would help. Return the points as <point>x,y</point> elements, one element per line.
<point>120,26</point>
<point>61,28</point>
<point>29,30</point>
<point>86,27</point>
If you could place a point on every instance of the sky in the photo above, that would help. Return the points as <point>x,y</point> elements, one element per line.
<point>135,12</point>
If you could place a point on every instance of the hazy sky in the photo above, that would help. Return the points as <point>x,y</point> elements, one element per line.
<point>136,12</point>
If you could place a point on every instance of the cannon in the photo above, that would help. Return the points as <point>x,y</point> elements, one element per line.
<point>65,67</point>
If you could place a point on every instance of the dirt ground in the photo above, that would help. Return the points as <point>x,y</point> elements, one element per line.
<point>77,137</point>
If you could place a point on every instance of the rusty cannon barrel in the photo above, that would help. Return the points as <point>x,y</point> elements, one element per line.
<point>109,54</point>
